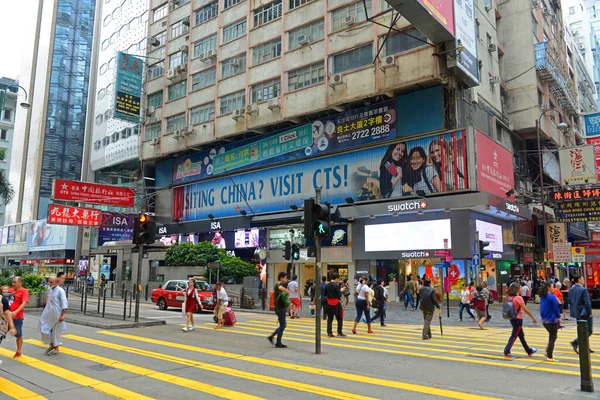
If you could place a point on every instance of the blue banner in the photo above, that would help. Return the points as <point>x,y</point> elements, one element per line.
<point>592,124</point>
<point>115,228</point>
<point>128,87</point>
<point>432,164</point>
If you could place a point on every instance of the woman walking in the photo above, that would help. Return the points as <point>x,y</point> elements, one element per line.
<point>190,304</point>
<point>550,312</point>
<point>517,321</point>
<point>363,304</point>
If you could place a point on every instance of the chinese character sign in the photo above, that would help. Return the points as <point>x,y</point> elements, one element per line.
<point>562,252</point>
<point>578,165</point>
<point>555,233</point>
<point>495,171</point>
<point>66,215</point>
<point>596,143</point>
<point>128,87</point>
<point>85,192</point>
<point>592,124</point>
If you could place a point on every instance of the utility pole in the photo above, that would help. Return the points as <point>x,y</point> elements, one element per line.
<point>318,304</point>
<point>139,281</point>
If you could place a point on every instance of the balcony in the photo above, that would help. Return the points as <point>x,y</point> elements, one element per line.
<point>548,63</point>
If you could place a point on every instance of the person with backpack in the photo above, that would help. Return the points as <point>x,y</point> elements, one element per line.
<point>479,304</point>
<point>550,312</point>
<point>332,305</point>
<point>465,303</point>
<point>282,305</point>
<point>581,307</point>
<point>513,310</point>
<point>378,302</point>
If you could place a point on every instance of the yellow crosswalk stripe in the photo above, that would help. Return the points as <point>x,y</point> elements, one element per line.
<point>302,368</point>
<point>149,373</point>
<point>302,387</point>
<point>77,378</point>
<point>332,343</point>
<point>18,392</point>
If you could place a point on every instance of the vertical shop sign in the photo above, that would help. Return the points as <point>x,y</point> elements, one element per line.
<point>128,87</point>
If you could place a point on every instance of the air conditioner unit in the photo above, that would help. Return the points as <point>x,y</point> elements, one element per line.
<point>303,39</point>
<point>150,111</point>
<point>186,131</point>
<point>492,47</point>
<point>495,79</point>
<point>273,104</point>
<point>154,41</point>
<point>164,23</point>
<point>184,48</point>
<point>350,20</point>
<point>156,141</point>
<point>336,80</point>
<point>388,62</point>
<point>237,114</point>
<point>177,134</point>
<point>208,56</point>
<point>252,109</point>
<point>234,62</point>
<point>182,68</point>
<point>185,21</point>
<point>171,74</point>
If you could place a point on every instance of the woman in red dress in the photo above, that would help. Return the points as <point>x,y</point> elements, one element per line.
<point>191,302</point>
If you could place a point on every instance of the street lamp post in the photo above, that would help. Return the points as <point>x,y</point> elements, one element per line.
<point>24,104</point>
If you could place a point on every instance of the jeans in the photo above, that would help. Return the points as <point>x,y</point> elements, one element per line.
<point>361,307</point>
<point>281,314</point>
<point>380,314</point>
<point>409,300</point>
<point>517,325</point>
<point>552,328</point>
<point>418,300</point>
<point>487,312</point>
<point>590,330</point>
<point>463,307</point>
<point>427,317</point>
<point>334,311</point>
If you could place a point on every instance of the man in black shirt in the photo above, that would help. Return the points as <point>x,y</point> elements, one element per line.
<point>281,309</point>
<point>332,306</point>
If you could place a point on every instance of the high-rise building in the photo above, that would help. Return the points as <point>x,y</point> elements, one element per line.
<point>7,123</point>
<point>586,89</point>
<point>593,11</point>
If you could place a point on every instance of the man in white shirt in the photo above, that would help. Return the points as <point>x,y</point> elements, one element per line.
<point>295,297</point>
<point>222,303</point>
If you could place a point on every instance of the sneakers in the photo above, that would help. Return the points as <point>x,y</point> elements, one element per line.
<point>533,351</point>
<point>185,329</point>
<point>270,339</point>
<point>574,345</point>
<point>192,328</point>
<point>551,359</point>
<point>281,346</point>
<point>509,355</point>
<point>459,320</point>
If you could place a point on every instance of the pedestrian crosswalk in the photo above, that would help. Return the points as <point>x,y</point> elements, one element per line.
<point>156,364</point>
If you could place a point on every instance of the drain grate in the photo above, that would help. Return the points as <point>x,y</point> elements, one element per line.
<point>100,367</point>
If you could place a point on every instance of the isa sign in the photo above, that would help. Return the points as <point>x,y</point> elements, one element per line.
<point>128,85</point>
<point>464,21</point>
<point>592,124</point>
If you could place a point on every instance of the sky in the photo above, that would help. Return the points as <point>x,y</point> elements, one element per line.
<point>11,51</point>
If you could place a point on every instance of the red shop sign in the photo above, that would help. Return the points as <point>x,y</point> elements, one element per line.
<point>66,215</point>
<point>495,171</point>
<point>85,192</point>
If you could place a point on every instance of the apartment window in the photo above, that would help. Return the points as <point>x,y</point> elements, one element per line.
<point>101,94</point>
<point>204,79</point>
<point>204,45</point>
<point>356,10</point>
<point>202,114</point>
<point>399,42</point>
<point>230,3</point>
<point>297,3</point>
<point>108,114</point>
<point>97,145</point>
<point>540,97</point>
<point>114,138</point>
<point>111,63</point>
<point>234,31</point>
<point>99,119</point>
<point>177,59</point>
<point>152,131</point>
<point>176,90</point>
<point>207,13</point>
<point>155,99</point>
<point>3,155</point>
<point>162,38</point>
<point>233,66</point>
<point>3,134</point>
<point>265,90</point>
<point>105,141</point>
<point>315,31</point>
<point>178,29</point>
<point>571,10</point>
<point>160,12</point>
<point>232,102</point>
<point>114,37</point>
<point>306,76</point>
<point>355,58</point>
<point>7,114</point>
<point>266,51</point>
<point>157,70</point>
<point>180,3</point>
<point>175,122</point>
<point>110,88</point>
<point>267,13</point>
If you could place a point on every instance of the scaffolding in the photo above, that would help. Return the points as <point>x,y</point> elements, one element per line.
<point>552,69</point>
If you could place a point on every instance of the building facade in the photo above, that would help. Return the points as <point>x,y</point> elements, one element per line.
<point>7,123</point>
<point>593,10</point>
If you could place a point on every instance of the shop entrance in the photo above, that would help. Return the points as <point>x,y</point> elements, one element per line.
<point>340,269</point>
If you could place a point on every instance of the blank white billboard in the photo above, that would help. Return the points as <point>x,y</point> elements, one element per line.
<point>418,235</point>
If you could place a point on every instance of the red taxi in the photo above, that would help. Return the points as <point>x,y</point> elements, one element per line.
<point>169,296</point>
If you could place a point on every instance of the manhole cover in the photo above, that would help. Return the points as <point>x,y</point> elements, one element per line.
<point>100,367</point>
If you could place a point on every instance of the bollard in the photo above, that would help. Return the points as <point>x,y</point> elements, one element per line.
<point>112,290</point>
<point>585,361</point>
<point>104,303</point>
<point>99,297</point>
<point>123,290</point>
<point>146,294</point>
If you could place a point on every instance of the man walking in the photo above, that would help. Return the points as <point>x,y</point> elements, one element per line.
<point>222,303</point>
<point>379,302</point>
<point>323,285</point>
<point>488,300</point>
<point>282,303</point>
<point>409,291</point>
<point>52,320</point>
<point>581,307</point>
<point>21,298</point>
<point>294,297</point>
<point>333,306</point>
<point>428,302</point>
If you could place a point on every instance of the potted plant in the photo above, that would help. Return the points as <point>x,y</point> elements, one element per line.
<point>33,283</point>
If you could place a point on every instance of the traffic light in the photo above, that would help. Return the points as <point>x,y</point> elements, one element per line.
<point>295,252</point>
<point>321,219</point>
<point>482,252</point>
<point>308,219</point>
<point>287,250</point>
<point>144,230</point>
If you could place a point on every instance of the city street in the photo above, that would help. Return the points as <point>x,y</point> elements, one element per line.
<point>238,363</point>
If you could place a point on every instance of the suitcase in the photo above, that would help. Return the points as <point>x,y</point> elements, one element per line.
<point>229,317</point>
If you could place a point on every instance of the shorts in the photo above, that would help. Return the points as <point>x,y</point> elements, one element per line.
<point>19,327</point>
<point>480,313</point>
<point>221,310</point>
<point>296,301</point>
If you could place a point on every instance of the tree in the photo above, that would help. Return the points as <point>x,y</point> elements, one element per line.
<point>235,268</point>
<point>189,254</point>
<point>6,190</point>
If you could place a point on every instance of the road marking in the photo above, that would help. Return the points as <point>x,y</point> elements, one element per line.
<point>310,370</point>
<point>18,392</point>
<point>336,394</point>
<point>150,373</point>
<point>77,378</point>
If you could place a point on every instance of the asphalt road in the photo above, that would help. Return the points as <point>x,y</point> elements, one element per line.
<point>163,362</point>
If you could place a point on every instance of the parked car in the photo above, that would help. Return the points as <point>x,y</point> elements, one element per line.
<point>169,296</point>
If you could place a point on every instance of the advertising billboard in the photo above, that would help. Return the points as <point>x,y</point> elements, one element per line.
<point>93,193</point>
<point>427,165</point>
<point>596,143</point>
<point>44,236</point>
<point>464,22</point>
<point>495,171</point>
<point>591,123</point>
<point>128,92</point>
<point>577,165</point>
<point>66,215</point>
<point>490,233</point>
<point>115,228</point>
<point>418,235</point>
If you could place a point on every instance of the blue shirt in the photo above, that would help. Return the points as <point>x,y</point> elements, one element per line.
<point>549,309</point>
